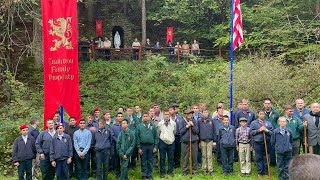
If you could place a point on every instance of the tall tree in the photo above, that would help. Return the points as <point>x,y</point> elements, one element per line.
<point>144,22</point>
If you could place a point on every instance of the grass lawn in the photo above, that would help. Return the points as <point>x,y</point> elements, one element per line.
<point>136,174</point>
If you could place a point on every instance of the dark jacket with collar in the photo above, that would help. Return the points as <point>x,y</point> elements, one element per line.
<point>250,116</point>
<point>227,137</point>
<point>207,129</point>
<point>102,139</point>
<point>43,143</point>
<point>33,132</point>
<point>23,151</point>
<point>257,135</point>
<point>70,131</point>
<point>184,130</point>
<point>61,149</point>
<point>282,143</point>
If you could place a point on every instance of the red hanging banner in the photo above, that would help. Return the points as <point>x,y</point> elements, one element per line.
<point>98,28</point>
<point>169,34</point>
<point>60,51</point>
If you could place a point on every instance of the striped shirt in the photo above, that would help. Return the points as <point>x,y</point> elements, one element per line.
<point>243,135</point>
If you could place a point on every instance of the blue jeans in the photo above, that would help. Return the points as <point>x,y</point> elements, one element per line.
<point>62,169</point>
<point>103,164</point>
<point>283,160</point>
<point>47,170</point>
<point>147,159</point>
<point>82,167</point>
<point>25,167</point>
<point>261,159</point>
<point>177,151</point>
<point>227,159</point>
<point>166,150</point>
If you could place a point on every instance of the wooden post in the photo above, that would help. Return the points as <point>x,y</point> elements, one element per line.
<point>178,54</point>
<point>267,155</point>
<point>305,137</point>
<point>93,52</point>
<point>140,52</point>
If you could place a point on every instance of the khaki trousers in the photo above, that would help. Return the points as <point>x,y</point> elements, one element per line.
<point>245,158</point>
<point>206,149</point>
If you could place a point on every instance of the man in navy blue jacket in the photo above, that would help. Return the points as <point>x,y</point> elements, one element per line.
<point>102,143</point>
<point>207,134</point>
<point>282,141</point>
<point>257,128</point>
<point>227,139</point>
<point>43,144</point>
<point>61,152</point>
<point>24,151</point>
<point>116,128</point>
<point>177,118</point>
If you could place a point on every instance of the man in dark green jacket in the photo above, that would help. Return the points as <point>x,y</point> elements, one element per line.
<point>125,145</point>
<point>271,115</point>
<point>147,143</point>
<point>133,122</point>
<point>296,127</point>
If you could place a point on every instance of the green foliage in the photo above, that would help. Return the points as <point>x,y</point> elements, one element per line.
<point>113,84</point>
<point>284,26</point>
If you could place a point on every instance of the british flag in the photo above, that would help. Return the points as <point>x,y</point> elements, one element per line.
<point>237,25</point>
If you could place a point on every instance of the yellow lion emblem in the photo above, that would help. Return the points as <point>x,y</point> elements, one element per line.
<point>62,29</point>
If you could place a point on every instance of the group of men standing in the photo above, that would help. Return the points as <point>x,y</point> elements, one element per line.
<point>98,144</point>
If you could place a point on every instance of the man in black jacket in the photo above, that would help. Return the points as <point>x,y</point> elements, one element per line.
<point>24,151</point>
<point>186,124</point>
<point>70,131</point>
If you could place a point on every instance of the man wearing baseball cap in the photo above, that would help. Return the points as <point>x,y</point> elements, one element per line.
<point>24,151</point>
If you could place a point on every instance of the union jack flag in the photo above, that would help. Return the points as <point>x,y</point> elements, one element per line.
<point>237,25</point>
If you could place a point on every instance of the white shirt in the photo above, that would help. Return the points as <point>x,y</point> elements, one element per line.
<point>25,139</point>
<point>167,133</point>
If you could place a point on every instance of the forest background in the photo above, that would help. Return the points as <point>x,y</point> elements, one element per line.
<point>279,60</point>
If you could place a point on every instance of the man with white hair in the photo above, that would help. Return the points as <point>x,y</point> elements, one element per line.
<point>311,122</point>
<point>300,111</point>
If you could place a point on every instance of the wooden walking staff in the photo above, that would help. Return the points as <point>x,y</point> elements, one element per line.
<point>305,137</point>
<point>267,156</point>
<point>190,152</point>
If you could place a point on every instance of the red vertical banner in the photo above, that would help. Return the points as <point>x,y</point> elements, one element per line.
<point>98,28</point>
<point>169,34</point>
<point>60,51</point>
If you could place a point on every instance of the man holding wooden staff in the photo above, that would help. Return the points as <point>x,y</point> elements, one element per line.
<point>313,131</point>
<point>261,131</point>
<point>189,142</point>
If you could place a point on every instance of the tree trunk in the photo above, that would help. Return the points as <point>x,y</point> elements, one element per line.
<point>144,22</point>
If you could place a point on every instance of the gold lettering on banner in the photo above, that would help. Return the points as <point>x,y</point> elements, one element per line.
<point>61,29</point>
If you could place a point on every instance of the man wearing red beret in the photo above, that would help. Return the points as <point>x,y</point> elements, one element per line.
<point>24,151</point>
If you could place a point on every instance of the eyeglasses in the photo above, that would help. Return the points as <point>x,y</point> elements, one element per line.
<point>82,123</point>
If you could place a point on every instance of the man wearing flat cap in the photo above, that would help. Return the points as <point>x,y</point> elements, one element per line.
<point>24,151</point>
<point>243,142</point>
<point>187,141</point>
